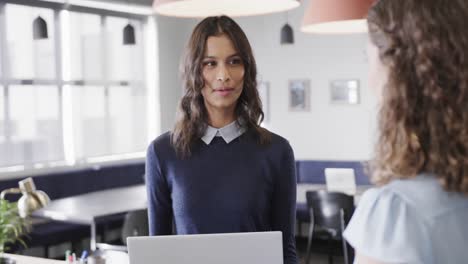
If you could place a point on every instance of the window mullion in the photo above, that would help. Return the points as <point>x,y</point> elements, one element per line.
<point>65,92</point>
<point>59,73</point>
<point>105,41</point>
<point>5,74</point>
<point>3,44</point>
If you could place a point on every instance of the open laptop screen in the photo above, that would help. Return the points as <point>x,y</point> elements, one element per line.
<point>229,248</point>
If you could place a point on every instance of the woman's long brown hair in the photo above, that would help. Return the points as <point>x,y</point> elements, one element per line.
<point>192,115</point>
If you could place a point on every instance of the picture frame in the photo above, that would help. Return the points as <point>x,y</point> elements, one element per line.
<point>263,88</point>
<point>299,95</point>
<point>345,92</point>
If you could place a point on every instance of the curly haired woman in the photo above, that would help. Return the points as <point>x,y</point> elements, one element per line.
<point>418,56</point>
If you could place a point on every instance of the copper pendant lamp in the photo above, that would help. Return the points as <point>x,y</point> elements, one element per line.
<point>336,16</point>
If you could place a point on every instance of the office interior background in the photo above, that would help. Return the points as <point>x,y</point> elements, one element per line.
<point>82,99</point>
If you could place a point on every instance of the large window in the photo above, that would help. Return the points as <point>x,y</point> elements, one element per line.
<point>30,114</point>
<point>127,115</point>
<point>108,122</point>
<point>34,125</point>
<point>109,104</point>
<point>28,58</point>
<point>90,124</point>
<point>124,60</point>
<point>80,90</point>
<point>86,42</point>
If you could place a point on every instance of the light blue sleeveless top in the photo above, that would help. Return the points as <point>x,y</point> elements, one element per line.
<point>411,221</point>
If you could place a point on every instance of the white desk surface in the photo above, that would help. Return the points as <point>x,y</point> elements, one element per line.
<point>33,260</point>
<point>85,208</point>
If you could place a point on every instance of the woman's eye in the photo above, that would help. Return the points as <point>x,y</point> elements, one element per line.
<point>209,63</point>
<point>235,61</point>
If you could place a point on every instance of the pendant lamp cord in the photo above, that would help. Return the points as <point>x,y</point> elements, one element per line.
<point>128,14</point>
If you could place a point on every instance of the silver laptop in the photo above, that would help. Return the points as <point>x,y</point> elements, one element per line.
<point>340,180</point>
<point>229,248</point>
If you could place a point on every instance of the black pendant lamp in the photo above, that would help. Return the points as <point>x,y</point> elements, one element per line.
<point>287,35</point>
<point>129,32</point>
<point>40,28</point>
<point>129,35</point>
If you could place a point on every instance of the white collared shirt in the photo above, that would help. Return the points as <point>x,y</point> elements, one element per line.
<point>228,132</point>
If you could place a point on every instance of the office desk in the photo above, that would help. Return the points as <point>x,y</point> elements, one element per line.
<point>91,207</point>
<point>33,260</point>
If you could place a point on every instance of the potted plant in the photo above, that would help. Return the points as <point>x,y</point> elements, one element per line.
<point>12,228</point>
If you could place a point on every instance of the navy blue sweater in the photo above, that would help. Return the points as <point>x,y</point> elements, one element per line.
<point>223,188</point>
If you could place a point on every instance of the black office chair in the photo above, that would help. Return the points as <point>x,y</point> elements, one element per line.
<point>329,214</point>
<point>135,224</point>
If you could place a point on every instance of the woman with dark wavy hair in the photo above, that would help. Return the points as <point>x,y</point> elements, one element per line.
<point>219,171</point>
<point>418,56</point>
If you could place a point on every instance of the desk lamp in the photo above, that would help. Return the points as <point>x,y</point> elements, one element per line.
<point>31,199</point>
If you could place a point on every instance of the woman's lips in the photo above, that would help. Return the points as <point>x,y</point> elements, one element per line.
<point>224,91</point>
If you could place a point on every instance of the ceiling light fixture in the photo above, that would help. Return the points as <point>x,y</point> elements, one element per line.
<point>233,8</point>
<point>287,33</point>
<point>336,16</point>
<point>40,28</point>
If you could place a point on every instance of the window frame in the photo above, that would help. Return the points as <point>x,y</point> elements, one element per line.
<point>70,163</point>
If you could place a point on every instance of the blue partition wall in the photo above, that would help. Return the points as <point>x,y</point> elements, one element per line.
<point>313,171</point>
<point>64,184</point>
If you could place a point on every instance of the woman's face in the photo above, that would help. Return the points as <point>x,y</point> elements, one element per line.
<point>378,72</point>
<point>223,74</point>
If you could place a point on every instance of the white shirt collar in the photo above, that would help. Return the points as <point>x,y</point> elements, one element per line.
<point>228,132</point>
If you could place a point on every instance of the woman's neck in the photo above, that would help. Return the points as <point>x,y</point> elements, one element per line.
<point>219,119</point>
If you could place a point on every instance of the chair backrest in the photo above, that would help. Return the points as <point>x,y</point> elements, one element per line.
<point>135,224</point>
<point>326,208</point>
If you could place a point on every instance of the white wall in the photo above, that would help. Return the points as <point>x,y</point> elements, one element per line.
<point>327,131</point>
<point>173,33</point>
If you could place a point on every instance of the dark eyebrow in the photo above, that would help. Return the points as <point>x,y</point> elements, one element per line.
<point>234,55</point>
<point>229,57</point>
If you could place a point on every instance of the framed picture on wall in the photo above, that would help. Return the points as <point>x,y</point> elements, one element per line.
<point>299,95</point>
<point>344,91</point>
<point>264,93</point>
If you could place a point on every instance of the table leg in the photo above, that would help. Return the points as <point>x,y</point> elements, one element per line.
<point>93,236</point>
